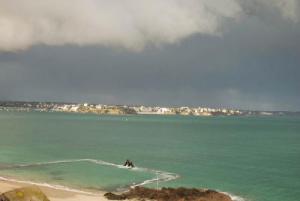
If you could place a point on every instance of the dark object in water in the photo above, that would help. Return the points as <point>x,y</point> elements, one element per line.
<point>128,163</point>
<point>170,194</point>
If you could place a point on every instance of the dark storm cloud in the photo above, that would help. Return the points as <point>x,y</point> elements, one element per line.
<point>255,64</point>
<point>129,24</point>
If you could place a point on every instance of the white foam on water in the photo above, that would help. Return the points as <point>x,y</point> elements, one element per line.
<point>234,197</point>
<point>57,187</point>
<point>160,176</point>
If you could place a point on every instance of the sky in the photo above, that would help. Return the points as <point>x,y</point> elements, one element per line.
<point>242,54</point>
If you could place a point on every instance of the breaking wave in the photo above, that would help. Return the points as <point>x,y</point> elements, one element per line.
<point>58,187</point>
<point>160,176</point>
<point>234,197</point>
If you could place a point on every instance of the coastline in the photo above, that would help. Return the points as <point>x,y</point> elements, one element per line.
<point>63,193</point>
<point>54,194</point>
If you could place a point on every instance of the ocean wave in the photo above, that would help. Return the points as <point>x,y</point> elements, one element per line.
<point>73,190</point>
<point>53,186</point>
<point>160,176</point>
<point>234,197</point>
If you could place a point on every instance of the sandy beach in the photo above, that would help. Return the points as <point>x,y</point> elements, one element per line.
<point>54,194</point>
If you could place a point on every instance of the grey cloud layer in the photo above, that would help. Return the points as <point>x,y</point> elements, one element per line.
<point>130,24</point>
<point>246,55</point>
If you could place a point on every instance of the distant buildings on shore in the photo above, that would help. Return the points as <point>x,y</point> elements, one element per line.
<point>195,111</point>
<point>125,109</point>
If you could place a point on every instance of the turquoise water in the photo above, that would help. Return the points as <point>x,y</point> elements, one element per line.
<point>257,158</point>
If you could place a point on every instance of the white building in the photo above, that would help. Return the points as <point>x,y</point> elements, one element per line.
<point>164,110</point>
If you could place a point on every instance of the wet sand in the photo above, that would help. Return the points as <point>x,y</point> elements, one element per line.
<point>54,194</point>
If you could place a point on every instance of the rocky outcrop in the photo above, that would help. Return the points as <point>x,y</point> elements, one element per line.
<point>170,194</point>
<point>112,196</point>
<point>31,193</point>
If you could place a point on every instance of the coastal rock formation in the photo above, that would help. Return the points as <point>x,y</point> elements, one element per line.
<point>170,194</point>
<point>31,193</point>
<point>112,196</point>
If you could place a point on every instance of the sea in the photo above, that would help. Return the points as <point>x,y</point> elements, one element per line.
<point>254,158</point>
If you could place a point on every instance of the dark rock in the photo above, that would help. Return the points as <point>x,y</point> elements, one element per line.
<point>3,198</point>
<point>112,196</point>
<point>170,194</point>
<point>31,193</point>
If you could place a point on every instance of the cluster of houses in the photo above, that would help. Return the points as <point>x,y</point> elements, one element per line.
<point>198,111</point>
<point>123,109</point>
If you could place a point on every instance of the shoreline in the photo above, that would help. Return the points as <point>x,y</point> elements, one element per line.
<point>159,175</point>
<point>54,194</point>
<point>64,193</point>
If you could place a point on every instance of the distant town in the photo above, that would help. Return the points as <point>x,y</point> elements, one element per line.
<point>102,109</point>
